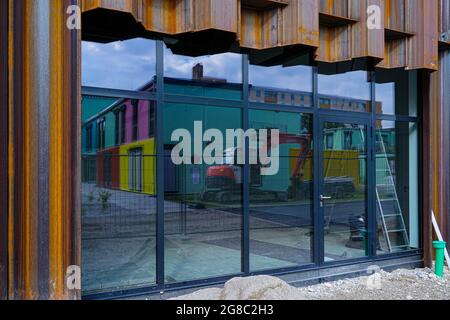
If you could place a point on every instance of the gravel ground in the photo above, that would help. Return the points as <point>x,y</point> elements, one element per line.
<point>419,284</point>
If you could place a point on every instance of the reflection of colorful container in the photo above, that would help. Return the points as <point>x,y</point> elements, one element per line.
<point>337,163</point>
<point>147,169</point>
<point>108,165</point>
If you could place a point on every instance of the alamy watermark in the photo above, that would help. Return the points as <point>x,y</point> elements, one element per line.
<point>374,21</point>
<point>73,278</point>
<point>374,278</point>
<point>260,142</point>
<point>74,20</point>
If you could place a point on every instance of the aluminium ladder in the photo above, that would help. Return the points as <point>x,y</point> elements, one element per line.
<point>389,209</point>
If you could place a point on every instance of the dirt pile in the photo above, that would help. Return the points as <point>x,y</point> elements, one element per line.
<point>419,284</point>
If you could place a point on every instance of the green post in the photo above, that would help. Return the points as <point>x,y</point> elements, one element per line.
<point>439,267</point>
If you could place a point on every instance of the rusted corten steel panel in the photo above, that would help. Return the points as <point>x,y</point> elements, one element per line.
<point>335,7</point>
<point>173,17</point>
<point>441,92</point>
<point>444,23</point>
<point>422,18</point>
<point>3,150</point>
<point>44,112</point>
<point>395,15</point>
<point>444,16</point>
<point>337,28</point>
<point>294,24</point>
<point>414,45</point>
<point>132,6</point>
<point>437,145</point>
<point>342,40</point>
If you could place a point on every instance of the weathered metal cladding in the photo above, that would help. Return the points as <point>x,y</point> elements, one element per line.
<point>444,16</point>
<point>294,24</point>
<point>442,98</point>
<point>444,24</point>
<point>174,17</point>
<point>336,8</point>
<point>444,184</point>
<point>337,28</point>
<point>132,6</point>
<point>436,157</point>
<point>3,150</point>
<point>344,34</point>
<point>422,48</point>
<point>411,34</point>
<point>395,15</point>
<point>43,106</point>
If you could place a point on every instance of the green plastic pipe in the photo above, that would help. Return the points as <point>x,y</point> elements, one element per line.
<point>439,266</point>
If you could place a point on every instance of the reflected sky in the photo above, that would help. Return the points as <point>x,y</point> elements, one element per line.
<point>119,65</point>
<point>226,66</point>
<point>292,78</point>
<point>385,93</point>
<point>351,84</point>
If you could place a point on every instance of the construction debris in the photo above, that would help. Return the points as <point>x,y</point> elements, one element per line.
<point>419,284</point>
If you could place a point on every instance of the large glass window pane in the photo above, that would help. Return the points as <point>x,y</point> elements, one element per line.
<point>213,76</point>
<point>118,195</point>
<point>346,91</point>
<point>281,222</point>
<point>397,186</point>
<point>128,65</point>
<point>288,84</point>
<point>396,92</point>
<point>344,185</point>
<point>203,196</point>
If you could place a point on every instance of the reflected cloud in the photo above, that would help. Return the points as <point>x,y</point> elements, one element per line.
<point>120,65</point>
<point>352,85</point>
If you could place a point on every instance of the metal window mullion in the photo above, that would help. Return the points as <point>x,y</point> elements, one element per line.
<point>371,170</point>
<point>160,252</point>
<point>246,175</point>
<point>317,213</point>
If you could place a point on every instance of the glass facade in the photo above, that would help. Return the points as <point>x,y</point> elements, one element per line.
<point>177,191</point>
<point>203,201</point>
<point>348,91</point>
<point>118,195</point>
<point>285,85</point>
<point>281,219</point>
<point>344,200</point>
<point>397,186</point>
<point>396,92</point>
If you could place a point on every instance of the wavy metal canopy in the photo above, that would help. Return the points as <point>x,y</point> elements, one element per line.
<point>335,30</point>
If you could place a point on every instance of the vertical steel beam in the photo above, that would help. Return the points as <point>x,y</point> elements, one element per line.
<point>44,105</point>
<point>160,232</point>
<point>246,177</point>
<point>3,149</point>
<point>428,123</point>
<point>318,240</point>
<point>371,172</point>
